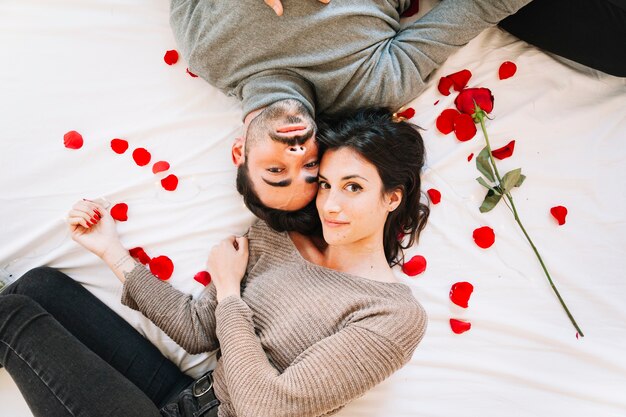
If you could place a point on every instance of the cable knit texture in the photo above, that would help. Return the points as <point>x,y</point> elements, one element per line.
<point>303,340</point>
<point>345,54</point>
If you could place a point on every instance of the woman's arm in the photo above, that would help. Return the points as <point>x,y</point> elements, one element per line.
<point>324,377</point>
<point>189,322</point>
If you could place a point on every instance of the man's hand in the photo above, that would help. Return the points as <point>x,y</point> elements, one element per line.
<point>278,6</point>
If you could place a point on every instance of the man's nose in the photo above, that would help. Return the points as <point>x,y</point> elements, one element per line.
<point>296,150</point>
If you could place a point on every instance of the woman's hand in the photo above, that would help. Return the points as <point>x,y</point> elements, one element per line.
<point>227,265</point>
<point>92,227</point>
<point>278,6</point>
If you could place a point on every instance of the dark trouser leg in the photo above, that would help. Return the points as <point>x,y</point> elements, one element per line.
<point>57,374</point>
<point>103,332</point>
<point>591,32</point>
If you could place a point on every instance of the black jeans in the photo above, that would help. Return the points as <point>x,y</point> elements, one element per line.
<point>591,32</point>
<point>70,355</point>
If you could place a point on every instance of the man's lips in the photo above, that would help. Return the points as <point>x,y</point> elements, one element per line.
<point>292,128</point>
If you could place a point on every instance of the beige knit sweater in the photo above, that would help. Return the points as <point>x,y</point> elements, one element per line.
<point>303,340</point>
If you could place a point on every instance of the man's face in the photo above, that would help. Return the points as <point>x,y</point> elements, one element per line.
<point>281,155</point>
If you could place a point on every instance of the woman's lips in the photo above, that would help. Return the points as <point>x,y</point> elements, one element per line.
<point>291,128</point>
<point>335,223</point>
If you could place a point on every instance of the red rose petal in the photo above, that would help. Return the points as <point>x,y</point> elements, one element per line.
<point>119,146</point>
<point>139,254</point>
<point>203,277</point>
<point>120,212</point>
<point>435,196</point>
<point>170,182</point>
<point>464,102</point>
<point>507,70</point>
<point>162,267</point>
<point>73,140</point>
<point>460,79</point>
<point>484,236</point>
<point>141,156</point>
<point>464,127</point>
<point>470,156</point>
<point>171,57</point>
<point>460,293</point>
<point>445,121</point>
<point>191,73</point>
<point>505,151</point>
<point>160,167</point>
<point>436,102</point>
<point>413,9</point>
<point>415,266</point>
<point>559,213</point>
<point>444,85</point>
<point>406,114</point>
<point>459,326</point>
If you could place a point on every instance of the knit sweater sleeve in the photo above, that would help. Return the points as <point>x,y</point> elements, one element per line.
<point>451,24</point>
<point>189,322</point>
<point>325,376</point>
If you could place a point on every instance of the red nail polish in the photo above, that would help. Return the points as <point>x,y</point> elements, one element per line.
<point>93,220</point>
<point>97,216</point>
<point>98,213</point>
<point>89,224</point>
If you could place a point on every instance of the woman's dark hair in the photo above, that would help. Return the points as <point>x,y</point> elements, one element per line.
<point>305,220</point>
<point>397,150</point>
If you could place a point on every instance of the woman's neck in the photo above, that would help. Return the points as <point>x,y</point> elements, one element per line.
<point>364,259</point>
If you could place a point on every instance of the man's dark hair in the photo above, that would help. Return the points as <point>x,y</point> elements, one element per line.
<point>305,221</point>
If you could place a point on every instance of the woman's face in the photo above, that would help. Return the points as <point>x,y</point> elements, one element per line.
<point>350,202</point>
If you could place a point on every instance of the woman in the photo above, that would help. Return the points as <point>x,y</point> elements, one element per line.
<point>303,324</point>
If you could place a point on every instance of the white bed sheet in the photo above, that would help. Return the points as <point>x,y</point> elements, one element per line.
<point>96,67</point>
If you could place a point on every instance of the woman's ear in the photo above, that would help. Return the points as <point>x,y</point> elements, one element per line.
<point>394,199</point>
<point>237,151</point>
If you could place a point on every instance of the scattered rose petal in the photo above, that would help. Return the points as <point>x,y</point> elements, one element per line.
<point>160,167</point>
<point>139,254</point>
<point>460,79</point>
<point>444,85</point>
<point>484,237</point>
<point>203,277</point>
<point>464,127</point>
<point>559,213</point>
<point>73,140</point>
<point>119,146</point>
<point>406,114</point>
<point>460,293</point>
<point>507,70</point>
<point>415,266</point>
<point>445,121</point>
<point>400,236</point>
<point>141,156</point>
<point>436,102</point>
<point>505,151</point>
<point>171,57</point>
<point>470,156</point>
<point>170,182</point>
<point>435,196</point>
<point>120,212</point>
<point>576,335</point>
<point>162,267</point>
<point>191,73</point>
<point>466,98</point>
<point>413,9</point>
<point>459,326</point>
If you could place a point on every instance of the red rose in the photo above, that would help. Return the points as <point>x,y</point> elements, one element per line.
<point>466,98</point>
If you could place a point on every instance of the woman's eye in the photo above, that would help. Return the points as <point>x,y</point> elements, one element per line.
<point>311,164</point>
<point>353,188</point>
<point>323,185</point>
<point>275,170</point>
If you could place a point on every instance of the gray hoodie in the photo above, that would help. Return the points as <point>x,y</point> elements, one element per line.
<point>346,54</point>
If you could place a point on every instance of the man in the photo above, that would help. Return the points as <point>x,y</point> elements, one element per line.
<point>317,57</point>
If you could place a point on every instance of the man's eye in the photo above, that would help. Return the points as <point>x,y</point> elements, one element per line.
<point>323,185</point>
<point>353,187</point>
<point>275,170</point>
<point>311,164</point>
